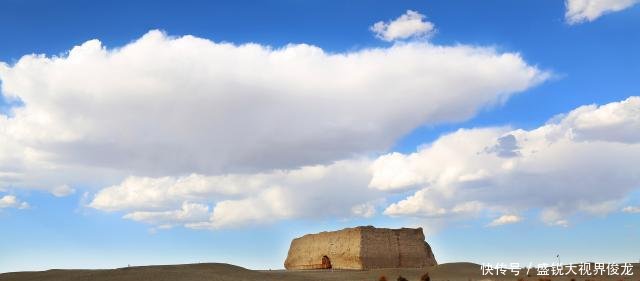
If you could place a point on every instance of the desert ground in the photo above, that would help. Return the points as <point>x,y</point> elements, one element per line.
<point>227,272</point>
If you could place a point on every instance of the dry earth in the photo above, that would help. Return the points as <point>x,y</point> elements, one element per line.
<point>226,272</point>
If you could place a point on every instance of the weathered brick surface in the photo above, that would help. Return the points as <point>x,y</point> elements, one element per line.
<point>363,247</point>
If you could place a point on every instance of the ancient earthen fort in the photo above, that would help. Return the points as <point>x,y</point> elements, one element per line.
<point>363,247</point>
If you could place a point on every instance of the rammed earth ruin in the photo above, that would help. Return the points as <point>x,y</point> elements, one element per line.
<point>363,247</point>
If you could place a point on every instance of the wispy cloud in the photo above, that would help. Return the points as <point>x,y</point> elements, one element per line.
<point>409,25</point>
<point>11,201</point>
<point>505,219</point>
<point>631,209</point>
<point>62,191</point>
<point>579,11</point>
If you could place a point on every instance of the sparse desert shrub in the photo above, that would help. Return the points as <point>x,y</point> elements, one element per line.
<point>425,277</point>
<point>382,278</point>
<point>400,278</point>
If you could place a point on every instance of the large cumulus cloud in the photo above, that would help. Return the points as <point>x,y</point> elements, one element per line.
<point>338,190</point>
<point>581,162</point>
<point>170,106</point>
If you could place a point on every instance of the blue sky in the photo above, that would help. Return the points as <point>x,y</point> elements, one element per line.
<point>92,149</point>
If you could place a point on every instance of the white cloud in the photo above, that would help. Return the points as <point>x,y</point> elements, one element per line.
<point>468,207</point>
<point>631,209</point>
<point>10,201</point>
<point>410,24</point>
<point>170,106</point>
<point>580,162</point>
<point>365,210</point>
<point>583,161</point>
<point>270,205</point>
<point>601,208</point>
<point>188,213</point>
<point>418,203</point>
<point>579,11</point>
<point>62,191</point>
<point>319,191</point>
<point>144,193</point>
<point>613,122</point>
<point>250,134</point>
<point>505,219</point>
<point>552,216</point>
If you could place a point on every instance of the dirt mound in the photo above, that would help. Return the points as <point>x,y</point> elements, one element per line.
<point>186,272</point>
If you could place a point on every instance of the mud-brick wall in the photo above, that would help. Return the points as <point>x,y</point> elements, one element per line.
<point>413,249</point>
<point>363,247</point>
<point>384,248</point>
<point>342,248</point>
<point>379,248</point>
